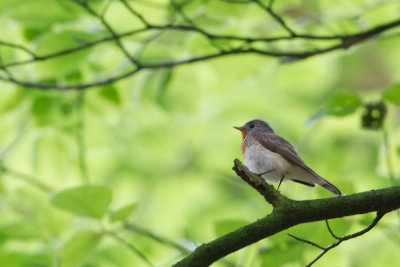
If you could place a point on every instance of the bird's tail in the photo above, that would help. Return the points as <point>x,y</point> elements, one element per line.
<point>327,185</point>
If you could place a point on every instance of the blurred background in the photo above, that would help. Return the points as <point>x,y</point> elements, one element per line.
<point>157,148</point>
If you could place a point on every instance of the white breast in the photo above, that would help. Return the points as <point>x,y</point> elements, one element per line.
<point>261,160</point>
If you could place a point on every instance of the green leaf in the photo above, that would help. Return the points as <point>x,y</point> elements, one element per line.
<point>164,81</point>
<point>122,212</point>
<point>392,94</point>
<point>110,94</point>
<point>10,99</point>
<point>342,104</point>
<point>44,110</point>
<point>76,250</point>
<point>87,200</point>
<point>223,227</point>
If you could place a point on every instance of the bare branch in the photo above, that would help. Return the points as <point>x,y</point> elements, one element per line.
<point>336,42</point>
<point>379,216</point>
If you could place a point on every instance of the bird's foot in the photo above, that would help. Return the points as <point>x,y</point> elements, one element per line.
<point>277,189</point>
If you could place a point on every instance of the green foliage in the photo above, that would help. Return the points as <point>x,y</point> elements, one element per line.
<point>163,137</point>
<point>342,104</point>
<point>87,200</point>
<point>392,94</point>
<point>78,248</point>
<point>111,94</point>
<point>122,213</point>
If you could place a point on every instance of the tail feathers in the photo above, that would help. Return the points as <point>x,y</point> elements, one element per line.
<point>330,187</point>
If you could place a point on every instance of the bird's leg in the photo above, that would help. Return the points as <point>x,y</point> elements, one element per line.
<point>260,174</point>
<point>277,189</point>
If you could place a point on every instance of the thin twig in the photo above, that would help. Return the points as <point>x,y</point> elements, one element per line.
<point>379,216</point>
<point>80,137</point>
<point>109,29</point>
<point>130,247</point>
<point>330,230</point>
<point>17,46</point>
<point>277,18</point>
<point>135,13</point>
<point>389,161</point>
<point>306,241</point>
<point>157,237</point>
<point>14,142</point>
<point>389,164</point>
<point>27,178</point>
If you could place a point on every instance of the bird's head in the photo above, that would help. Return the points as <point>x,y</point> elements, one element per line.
<point>254,126</point>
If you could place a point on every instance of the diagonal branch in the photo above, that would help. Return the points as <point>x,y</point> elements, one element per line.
<point>288,213</point>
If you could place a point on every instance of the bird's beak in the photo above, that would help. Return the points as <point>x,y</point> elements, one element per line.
<point>241,129</point>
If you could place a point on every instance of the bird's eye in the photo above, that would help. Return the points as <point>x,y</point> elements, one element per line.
<point>251,126</point>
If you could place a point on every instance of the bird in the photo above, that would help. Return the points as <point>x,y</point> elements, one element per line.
<point>275,159</point>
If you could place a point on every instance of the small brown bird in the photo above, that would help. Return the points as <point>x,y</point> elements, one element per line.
<point>275,159</point>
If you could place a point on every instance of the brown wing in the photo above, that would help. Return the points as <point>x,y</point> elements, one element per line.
<point>280,145</point>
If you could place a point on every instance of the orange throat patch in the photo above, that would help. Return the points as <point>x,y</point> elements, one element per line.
<point>242,146</point>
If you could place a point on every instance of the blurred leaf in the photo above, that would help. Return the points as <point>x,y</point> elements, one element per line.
<point>32,13</point>
<point>157,84</point>
<point>31,33</point>
<point>392,94</point>
<point>18,230</point>
<point>111,94</point>
<point>76,250</point>
<point>165,79</point>
<point>10,99</point>
<point>398,151</point>
<point>44,109</point>
<point>342,104</point>
<point>122,213</point>
<point>9,257</point>
<point>223,227</point>
<point>87,200</point>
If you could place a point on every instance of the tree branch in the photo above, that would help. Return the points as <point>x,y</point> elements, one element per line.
<point>288,213</point>
<point>340,41</point>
